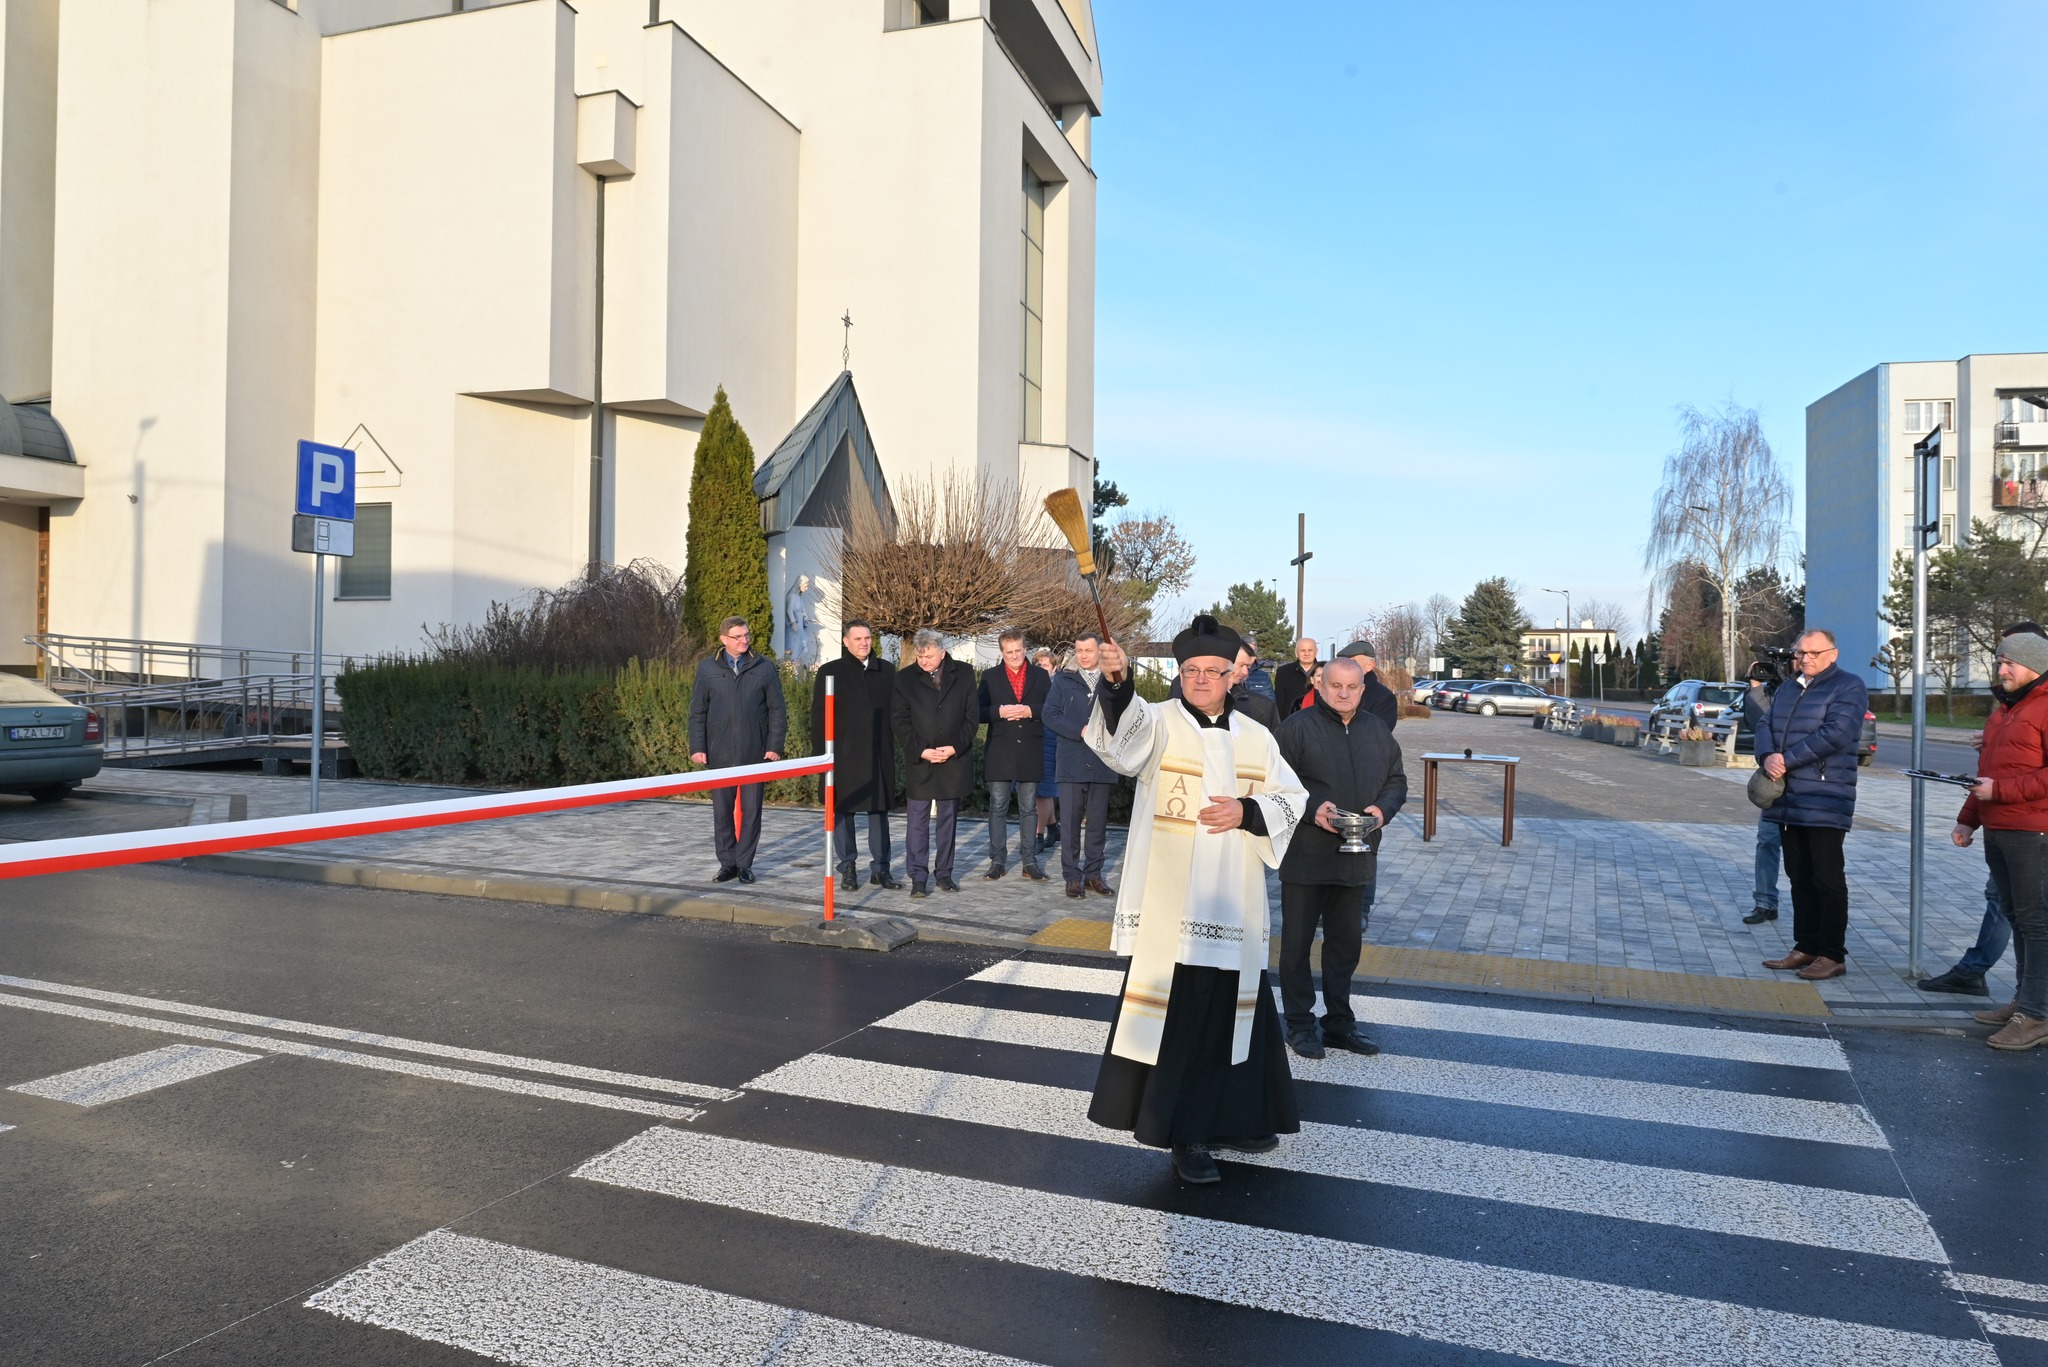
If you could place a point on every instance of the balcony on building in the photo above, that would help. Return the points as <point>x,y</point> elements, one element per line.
<point>2022,421</point>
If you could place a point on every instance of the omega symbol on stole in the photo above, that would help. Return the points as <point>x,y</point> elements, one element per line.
<point>1177,799</point>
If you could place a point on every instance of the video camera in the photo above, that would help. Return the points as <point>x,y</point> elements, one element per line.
<point>1776,664</point>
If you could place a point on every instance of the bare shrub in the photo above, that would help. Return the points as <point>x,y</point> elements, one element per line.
<point>613,614</point>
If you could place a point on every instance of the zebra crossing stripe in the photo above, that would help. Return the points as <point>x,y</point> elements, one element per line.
<point>411,1068</point>
<point>1739,1046</point>
<point>1815,1216</point>
<point>1533,1314</point>
<point>540,1310</point>
<point>376,1041</point>
<point>134,1075</point>
<point>1972,1284</point>
<point>2012,1326</point>
<point>1830,1122</point>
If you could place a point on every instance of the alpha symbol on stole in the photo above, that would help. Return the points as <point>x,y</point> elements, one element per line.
<point>1177,798</point>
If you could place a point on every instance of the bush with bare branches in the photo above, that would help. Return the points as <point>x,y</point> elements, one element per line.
<point>614,614</point>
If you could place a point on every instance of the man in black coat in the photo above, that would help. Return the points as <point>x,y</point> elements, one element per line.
<point>1013,708</point>
<point>736,717</point>
<point>1291,682</point>
<point>1379,700</point>
<point>863,750</point>
<point>936,714</point>
<point>1348,760</point>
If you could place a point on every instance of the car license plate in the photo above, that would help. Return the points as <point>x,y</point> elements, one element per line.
<point>37,732</point>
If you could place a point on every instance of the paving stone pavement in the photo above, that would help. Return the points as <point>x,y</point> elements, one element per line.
<point>1664,892</point>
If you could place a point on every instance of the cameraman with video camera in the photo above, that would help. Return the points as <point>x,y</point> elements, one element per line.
<point>1764,677</point>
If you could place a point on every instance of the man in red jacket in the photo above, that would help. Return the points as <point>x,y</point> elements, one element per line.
<point>2010,803</point>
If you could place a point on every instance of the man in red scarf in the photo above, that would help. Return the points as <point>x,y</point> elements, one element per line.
<point>1013,705</point>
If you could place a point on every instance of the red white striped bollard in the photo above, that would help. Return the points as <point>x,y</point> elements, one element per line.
<point>829,881</point>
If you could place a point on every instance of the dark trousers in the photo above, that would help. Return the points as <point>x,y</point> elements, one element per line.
<point>843,848</point>
<point>2019,865</point>
<point>1820,890</point>
<point>737,851</point>
<point>1341,912</point>
<point>1993,936</point>
<point>917,837</point>
<point>1079,800</point>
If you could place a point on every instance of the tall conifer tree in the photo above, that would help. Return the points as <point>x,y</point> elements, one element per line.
<point>726,572</point>
<point>1485,638</point>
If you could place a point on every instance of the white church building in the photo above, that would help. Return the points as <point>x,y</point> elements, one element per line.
<point>507,251</point>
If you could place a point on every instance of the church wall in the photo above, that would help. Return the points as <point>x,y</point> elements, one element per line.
<point>652,458</point>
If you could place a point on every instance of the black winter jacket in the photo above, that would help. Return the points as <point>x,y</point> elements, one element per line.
<point>736,714</point>
<point>1356,767</point>
<point>1015,750</point>
<point>926,718</point>
<point>863,697</point>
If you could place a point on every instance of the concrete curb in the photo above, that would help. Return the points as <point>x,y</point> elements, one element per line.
<point>538,892</point>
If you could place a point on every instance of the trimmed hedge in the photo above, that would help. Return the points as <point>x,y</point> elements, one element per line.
<point>435,722</point>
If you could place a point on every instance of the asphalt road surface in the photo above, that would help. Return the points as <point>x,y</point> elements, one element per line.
<point>269,1123</point>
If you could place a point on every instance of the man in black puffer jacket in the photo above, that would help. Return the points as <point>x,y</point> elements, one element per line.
<point>1348,760</point>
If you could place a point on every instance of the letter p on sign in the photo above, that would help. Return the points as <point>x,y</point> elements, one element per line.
<point>327,481</point>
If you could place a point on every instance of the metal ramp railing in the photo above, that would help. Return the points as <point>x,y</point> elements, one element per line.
<point>195,716</point>
<point>74,662</point>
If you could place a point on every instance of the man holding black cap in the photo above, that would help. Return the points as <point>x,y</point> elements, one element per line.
<point>1379,700</point>
<point>1195,1061</point>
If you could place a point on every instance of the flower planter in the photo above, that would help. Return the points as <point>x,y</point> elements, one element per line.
<point>1627,737</point>
<point>1699,754</point>
<point>1599,732</point>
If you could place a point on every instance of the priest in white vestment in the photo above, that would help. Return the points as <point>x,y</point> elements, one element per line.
<point>1195,1061</point>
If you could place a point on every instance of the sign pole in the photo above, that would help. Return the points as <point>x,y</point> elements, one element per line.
<point>319,684</point>
<point>1926,458</point>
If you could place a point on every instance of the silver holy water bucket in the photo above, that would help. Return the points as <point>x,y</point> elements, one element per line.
<point>1354,827</point>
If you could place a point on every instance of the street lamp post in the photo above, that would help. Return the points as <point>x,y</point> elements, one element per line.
<point>1565,646</point>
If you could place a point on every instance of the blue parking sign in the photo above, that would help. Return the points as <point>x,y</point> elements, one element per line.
<point>327,481</point>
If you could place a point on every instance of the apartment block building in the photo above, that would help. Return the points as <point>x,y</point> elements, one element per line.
<point>1993,412</point>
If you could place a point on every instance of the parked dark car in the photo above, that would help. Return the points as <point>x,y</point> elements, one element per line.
<point>48,746</point>
<point>1446,694</point>
<point>1506,697</point>
<point>1691,701</point>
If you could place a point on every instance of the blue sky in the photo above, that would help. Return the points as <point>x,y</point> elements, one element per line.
<point>1440,275</point>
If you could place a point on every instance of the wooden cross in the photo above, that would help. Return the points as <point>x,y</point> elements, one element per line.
<point>1300,563</point>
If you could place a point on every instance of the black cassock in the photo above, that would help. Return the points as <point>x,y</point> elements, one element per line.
<point>1194,1093</point>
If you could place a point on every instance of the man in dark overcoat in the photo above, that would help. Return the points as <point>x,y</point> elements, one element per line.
<point>1379,700</point>
<point>937,712</point>
<point>736,717</point>
<point>1348,760</point>
<point>1013,698</point>
<point>863,750</point>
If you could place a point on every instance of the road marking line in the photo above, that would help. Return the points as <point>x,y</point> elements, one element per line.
<point>134,1075</point>
<point>1828,1122</point>
<point>2012,1326</point>
<point>409,1046</point>
<point>1741,1046</point>
<point>5,1128</point>
<point>1975,1285</point>
<point>461,1077</point>
<point>1816,1216</point>
<point>1475,1305</point>
<point>543,1310</point>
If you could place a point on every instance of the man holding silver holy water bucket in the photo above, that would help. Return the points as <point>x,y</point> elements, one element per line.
<point>1348,761</point>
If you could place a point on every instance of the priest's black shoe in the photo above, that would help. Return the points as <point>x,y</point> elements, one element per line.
<point>1351,1042</point>
<point>726,874</point>
<point>1193,1163</point>
<point>1962,984</point>
<point>948,885</point>
<point>1759,916</point>
<point>1263,1144</point>
<point>1305,1044</point>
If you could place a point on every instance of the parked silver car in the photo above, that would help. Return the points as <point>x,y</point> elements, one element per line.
<point>1691,701</point>
<point>1506,697</point>
<point>48,746</point>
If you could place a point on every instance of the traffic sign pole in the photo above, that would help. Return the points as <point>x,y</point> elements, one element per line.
<point>319,680</point>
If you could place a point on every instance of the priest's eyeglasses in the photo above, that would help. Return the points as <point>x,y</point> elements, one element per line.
<point>1207,674</point>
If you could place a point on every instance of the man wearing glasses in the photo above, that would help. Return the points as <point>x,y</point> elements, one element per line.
<point>736,717</point>
<point>1809,740</point>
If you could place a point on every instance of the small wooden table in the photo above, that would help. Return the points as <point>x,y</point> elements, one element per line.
<point>1507,807</point>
